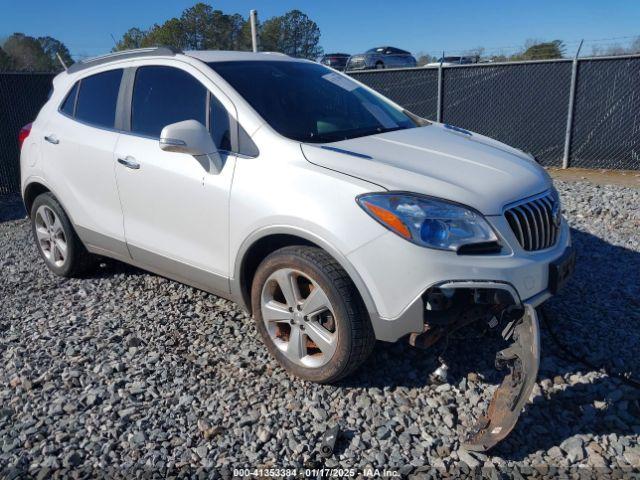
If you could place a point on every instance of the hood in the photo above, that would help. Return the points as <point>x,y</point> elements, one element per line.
<point>437,160</point>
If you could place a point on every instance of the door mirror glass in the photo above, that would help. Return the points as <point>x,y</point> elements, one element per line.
<point>193,138</point>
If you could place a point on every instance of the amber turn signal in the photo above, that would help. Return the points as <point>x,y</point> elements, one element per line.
<point>389,219</point>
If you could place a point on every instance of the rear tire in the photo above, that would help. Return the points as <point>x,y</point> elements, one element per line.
<point>56,240</point>
<point>310,314</point>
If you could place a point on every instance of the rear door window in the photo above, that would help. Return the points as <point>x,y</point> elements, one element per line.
<point>166,95</point>
<point>98,97</point>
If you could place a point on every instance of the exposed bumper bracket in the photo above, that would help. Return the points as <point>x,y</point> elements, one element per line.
<point>522,358</point>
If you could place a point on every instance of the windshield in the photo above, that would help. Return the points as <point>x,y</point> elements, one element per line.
<point>310,103</point>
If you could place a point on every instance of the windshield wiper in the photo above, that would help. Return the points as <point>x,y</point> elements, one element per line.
<point>348,134</point>
<point>390,129</point>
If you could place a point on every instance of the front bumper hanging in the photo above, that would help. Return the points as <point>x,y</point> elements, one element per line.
<point>456,305</point>
<point>522,358</point>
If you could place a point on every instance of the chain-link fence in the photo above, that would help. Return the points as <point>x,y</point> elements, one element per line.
<point>606,122</point>
<point>520,105</point>
<point>415,89</point>
<point>527,105</point>
<point>524,104</point>
<point>21,97</point>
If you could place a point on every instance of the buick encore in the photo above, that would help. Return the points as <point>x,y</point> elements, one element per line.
<point>330,213</point>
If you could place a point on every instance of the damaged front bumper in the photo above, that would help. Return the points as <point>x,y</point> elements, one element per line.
<point>458,304</point>
<point>522,359</point>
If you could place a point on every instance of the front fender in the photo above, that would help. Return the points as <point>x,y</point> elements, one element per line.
<point>310,236</point>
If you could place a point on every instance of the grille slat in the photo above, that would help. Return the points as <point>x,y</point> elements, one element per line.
<point>541,226</point>
<point>533,223</point>
<point>515,226</point>
<point>546,222</point>
<point>528,243</point>
<point>536,232</point>
<point>549,209</point>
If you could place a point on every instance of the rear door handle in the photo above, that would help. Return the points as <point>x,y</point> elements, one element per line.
<point>52,139</point>
<point>129,162</point>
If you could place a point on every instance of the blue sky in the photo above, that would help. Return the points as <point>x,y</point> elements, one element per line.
<point>350,25</point>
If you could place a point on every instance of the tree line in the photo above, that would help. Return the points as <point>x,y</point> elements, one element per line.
<point>535,50</point>
<point>22,53</point>
<point>202,28</point>
<point>532,50</point>
<point>199,27</point>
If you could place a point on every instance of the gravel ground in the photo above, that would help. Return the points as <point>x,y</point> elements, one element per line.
<point>127,373</point>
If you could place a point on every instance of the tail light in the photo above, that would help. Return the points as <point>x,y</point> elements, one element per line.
<point>24,133</point>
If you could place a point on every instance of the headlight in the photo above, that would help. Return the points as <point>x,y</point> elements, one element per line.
<point>427,221</point>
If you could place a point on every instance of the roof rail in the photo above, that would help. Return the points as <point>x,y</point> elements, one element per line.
<point>110,57</point>
<point>275,53</point>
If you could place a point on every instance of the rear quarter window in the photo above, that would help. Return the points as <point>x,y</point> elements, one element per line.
<point>68,106</point>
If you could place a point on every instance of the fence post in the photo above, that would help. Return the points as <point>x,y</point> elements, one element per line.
<point>572,98</point>
<point>439,105</point>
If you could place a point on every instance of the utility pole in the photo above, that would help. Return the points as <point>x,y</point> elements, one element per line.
<point>253,17</point>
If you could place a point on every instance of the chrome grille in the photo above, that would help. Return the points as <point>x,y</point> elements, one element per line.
<point>535,222</point>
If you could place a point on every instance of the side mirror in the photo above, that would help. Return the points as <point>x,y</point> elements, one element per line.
<point>192,138</point>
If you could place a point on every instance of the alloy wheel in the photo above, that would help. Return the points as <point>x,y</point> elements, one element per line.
<point>51,237</point>
<point>299,318</point>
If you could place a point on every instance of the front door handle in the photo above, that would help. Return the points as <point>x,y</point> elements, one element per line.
<point>129,162</point>
<point>52,139</point>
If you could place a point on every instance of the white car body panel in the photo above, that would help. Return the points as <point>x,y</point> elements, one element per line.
<point>434,161</point>
<point>399,272</point>
<point>81,173</point>
<point>173,207</point>
<point>266,193</point>
<point>174,217</point>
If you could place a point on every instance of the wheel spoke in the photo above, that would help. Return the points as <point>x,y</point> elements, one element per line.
<point>42,233</point>
<point>324,339</point>
<point>61,247</point>
<point>56,226</point>
<point>273,311</point>
<point>47,249</point>
<point>296,348</point>
<point>287,283</point>
<point>316,302</point>
<point>55,253</point>
<point>48,217</point>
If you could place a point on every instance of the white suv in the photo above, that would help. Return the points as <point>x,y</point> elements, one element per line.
<point>327,211</point>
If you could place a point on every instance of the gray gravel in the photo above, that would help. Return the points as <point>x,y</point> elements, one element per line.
<point>125,372</point>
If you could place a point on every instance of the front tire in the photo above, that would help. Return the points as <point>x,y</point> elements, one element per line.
<point>56,240</point>
<point>310,314</point>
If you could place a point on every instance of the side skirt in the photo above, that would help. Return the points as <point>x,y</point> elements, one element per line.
<point>165,267</point>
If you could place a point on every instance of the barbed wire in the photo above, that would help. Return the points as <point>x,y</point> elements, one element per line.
<point>507,50</point>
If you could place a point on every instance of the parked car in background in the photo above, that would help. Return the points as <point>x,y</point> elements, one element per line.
<point>335,60</point>
<point>381,57</point>
<point>449,61</point>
